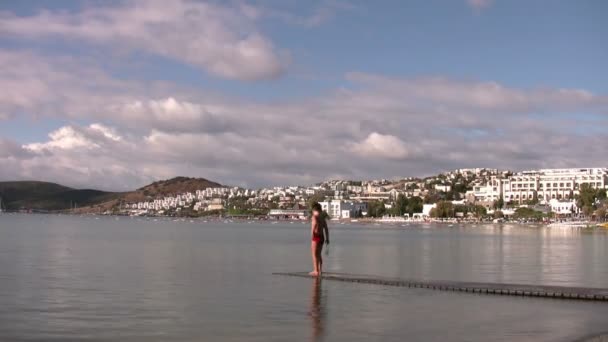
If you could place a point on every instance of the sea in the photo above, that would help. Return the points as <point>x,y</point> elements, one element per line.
<point>103,278</point>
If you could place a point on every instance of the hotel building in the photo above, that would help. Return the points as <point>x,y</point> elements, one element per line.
<point>544,185</point>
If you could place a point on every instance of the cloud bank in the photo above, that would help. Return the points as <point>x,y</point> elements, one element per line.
<point>378,126</point>
<point>222,40</point>
<point>121,133</point>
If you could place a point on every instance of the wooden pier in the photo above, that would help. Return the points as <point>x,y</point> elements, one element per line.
<point>558,292</point>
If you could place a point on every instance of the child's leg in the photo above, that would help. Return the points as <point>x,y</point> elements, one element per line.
<point>315,263</point>
<point>320,258</point>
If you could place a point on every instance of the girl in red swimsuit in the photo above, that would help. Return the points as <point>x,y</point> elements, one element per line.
<point>320,235</point>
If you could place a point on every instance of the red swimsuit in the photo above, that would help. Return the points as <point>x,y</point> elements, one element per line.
<point>317,236</point>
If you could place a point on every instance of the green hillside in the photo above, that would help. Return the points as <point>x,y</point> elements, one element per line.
<point>48,196</point>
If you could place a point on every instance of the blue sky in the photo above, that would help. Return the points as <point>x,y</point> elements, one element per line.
<point>411,87</point>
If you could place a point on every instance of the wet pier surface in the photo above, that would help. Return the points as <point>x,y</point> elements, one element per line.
<point>560,292</point>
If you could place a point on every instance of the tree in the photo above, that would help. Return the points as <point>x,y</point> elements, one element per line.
<point>498,214</point>
<point>411,187</point>
<point>459,187</point>
<point>600,213</point>
<point>480,211</point>
<point>527,213</point>
<point>414,205</point>
<point>589,198</point>
<point>443,209</point>
<point>586,196</point>
<point>601,194</point>
<point>499,203</point>
<point>400,205</point>
<point>588,210</point>
<point>461,208</point>
<point>380,210</point>
<point>376,209</point>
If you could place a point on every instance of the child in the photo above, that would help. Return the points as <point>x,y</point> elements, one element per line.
<point>320,235</point>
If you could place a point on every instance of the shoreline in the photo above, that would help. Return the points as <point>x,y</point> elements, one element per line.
<point>361,221</point>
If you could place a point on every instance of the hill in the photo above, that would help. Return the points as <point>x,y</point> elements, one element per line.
<point>48,196</point>
<point>172,186</point>
<point>51,196</point>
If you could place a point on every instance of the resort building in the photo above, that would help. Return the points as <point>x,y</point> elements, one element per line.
<point>540,185</point>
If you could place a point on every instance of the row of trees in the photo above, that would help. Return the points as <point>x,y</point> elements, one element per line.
<point>404,205</point>
<point>525,213</point>
<point>445,209</point>
<point>400,207</point>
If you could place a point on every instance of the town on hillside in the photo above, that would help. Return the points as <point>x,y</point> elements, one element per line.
<point>463,194</point>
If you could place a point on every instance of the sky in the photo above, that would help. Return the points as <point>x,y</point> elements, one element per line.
<point>116,94</point>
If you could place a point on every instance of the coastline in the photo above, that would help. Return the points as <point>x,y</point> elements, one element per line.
<point>364,221</point>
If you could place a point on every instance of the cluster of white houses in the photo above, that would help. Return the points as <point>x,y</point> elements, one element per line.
<point>206,199</point>
<point>348,199</point>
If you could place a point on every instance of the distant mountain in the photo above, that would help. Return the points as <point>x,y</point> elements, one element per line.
<point>51,196</point>
<point>48,196</point>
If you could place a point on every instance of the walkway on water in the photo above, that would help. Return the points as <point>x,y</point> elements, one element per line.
<point>561,292</point>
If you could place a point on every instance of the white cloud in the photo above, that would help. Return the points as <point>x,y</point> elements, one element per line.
<point>172,114</point>
<point>71,138</point>
<point>220,39</point>
<point>108,132</point>
<point>382,146</point>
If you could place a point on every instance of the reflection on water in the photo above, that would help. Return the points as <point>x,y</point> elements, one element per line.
<point>485,253</point>
<point>101,279</point>
<point>317,314</point>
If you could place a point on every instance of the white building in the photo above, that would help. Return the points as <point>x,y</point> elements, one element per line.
<point>442,187</point>
<point>340,209</point>
<point>563,207</point>
<point>547,184</point>
<point>544,185</point>
<point>426,209</point>
<point>489,192</point>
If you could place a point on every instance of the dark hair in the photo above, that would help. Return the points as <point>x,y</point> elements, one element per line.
<point>316,206</point>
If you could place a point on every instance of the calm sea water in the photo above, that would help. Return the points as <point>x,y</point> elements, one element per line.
<point>128,279</point>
